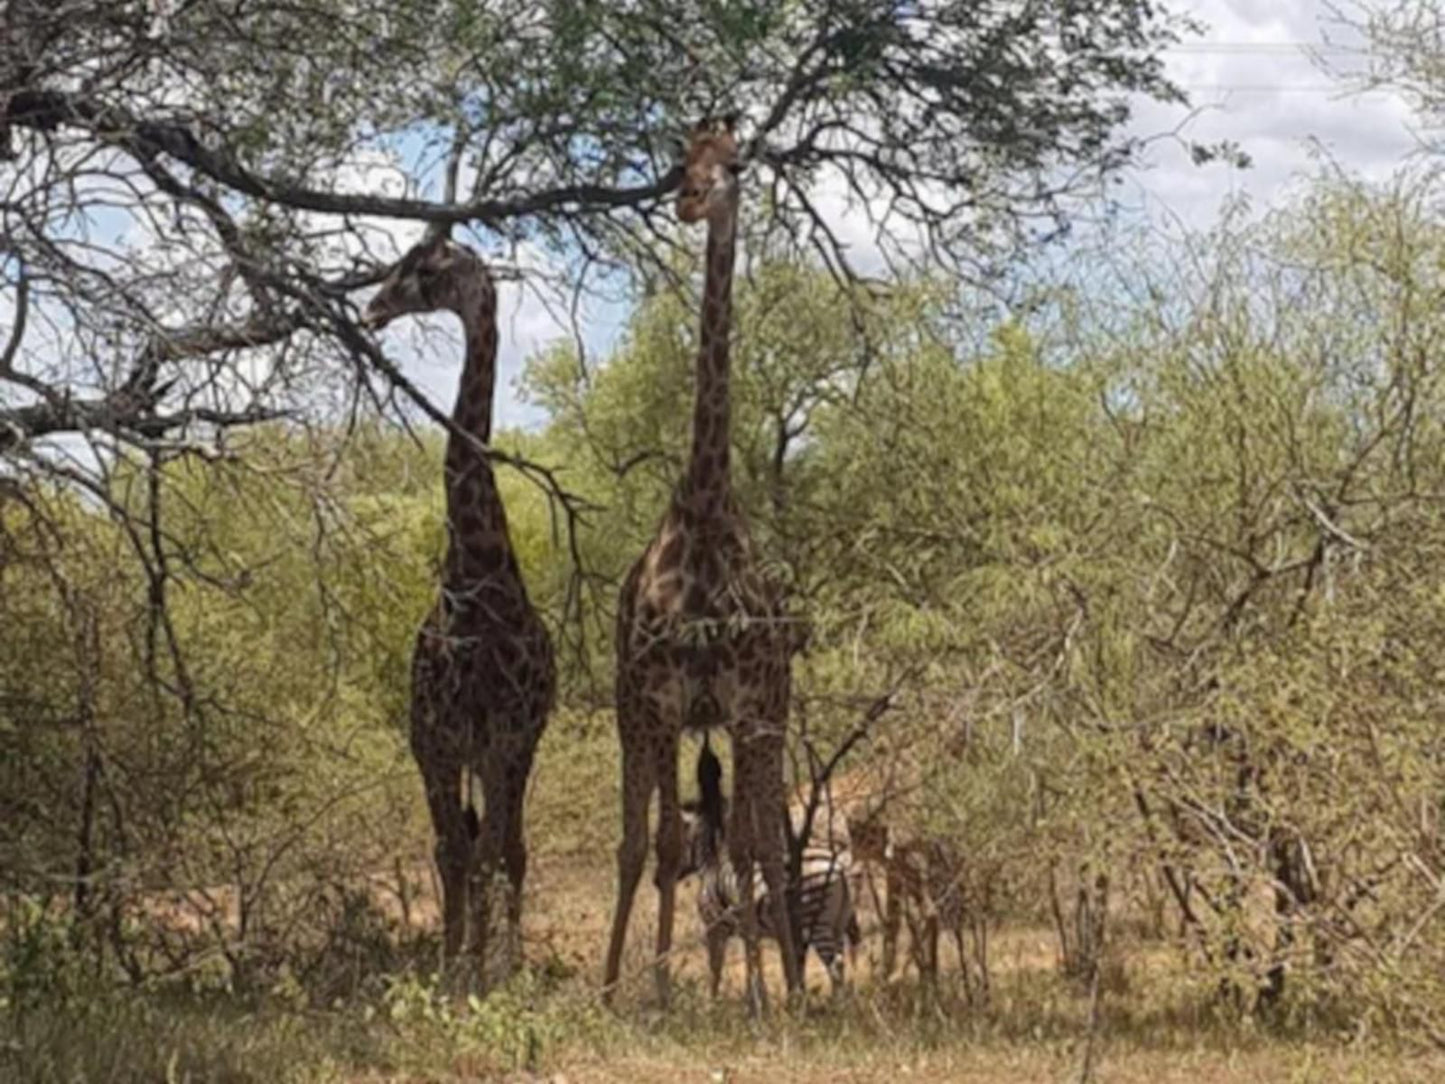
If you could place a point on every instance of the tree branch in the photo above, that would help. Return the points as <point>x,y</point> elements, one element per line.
<point>48,110</point>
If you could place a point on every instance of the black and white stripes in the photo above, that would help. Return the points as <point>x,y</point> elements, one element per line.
<point>824,901</point>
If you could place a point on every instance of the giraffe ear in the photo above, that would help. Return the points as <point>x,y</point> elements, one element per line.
<point>436,254</point>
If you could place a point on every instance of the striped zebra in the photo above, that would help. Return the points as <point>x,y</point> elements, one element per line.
<point>824,902</point>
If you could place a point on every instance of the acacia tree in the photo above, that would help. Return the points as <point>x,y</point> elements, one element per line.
<point>193,191</point>
<point>200,180</point>
<point>1390,44</point>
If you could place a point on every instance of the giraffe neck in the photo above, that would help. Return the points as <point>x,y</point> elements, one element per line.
<point>477,309</point>
<point>477,544</point>
<point>708,466</point>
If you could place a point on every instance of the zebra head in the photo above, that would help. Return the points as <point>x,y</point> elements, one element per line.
<point>695,843</point>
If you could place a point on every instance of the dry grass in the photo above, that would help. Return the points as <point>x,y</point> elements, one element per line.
<point>1018,1066</point>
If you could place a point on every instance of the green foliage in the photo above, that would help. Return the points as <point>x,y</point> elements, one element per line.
<point>514,1028</point>
<point>235,691</point>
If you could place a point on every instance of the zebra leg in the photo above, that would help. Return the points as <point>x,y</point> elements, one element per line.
<point>854,934</point>
<point>827,947</point>
<point>845,933</point>
<point>892,919</point>
<point>718,936</point>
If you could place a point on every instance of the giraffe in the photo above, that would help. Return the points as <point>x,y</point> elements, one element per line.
<point>700,635</point>
<point>483,670</point>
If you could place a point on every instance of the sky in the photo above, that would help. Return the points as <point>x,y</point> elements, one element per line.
<point>1249,80</point>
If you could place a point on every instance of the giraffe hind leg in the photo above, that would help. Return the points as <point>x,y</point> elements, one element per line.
<point>768,843</point>
<point>488,850</point>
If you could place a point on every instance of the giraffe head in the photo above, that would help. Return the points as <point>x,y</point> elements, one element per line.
<point>434,274</point>
<point>709,170</point>
<point>870,838</point>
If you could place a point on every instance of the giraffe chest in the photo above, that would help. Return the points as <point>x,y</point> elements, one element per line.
<point>503,671</point>
<point>693,578</point>
<point>700,640</point>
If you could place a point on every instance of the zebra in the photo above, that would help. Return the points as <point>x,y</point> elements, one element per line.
<point>824,903</point>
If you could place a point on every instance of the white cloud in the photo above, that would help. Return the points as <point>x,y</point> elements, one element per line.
<point>1253,82</point>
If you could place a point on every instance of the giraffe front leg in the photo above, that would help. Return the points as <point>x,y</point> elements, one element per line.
<point>514,856</point>
<point>631,857</point>
<point>669,861</point>
<point>450,852</point>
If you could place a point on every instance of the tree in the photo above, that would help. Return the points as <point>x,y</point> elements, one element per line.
<point>1395,45</point>
<point>1152,560</point>
<point>198,181</point>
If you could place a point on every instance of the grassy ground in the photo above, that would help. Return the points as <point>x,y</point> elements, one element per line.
<point>1154,1024</point>
<point>550,1026</point>
<point>554,1039</point>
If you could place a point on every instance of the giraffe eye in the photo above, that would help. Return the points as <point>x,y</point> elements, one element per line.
<point>427,283</point>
